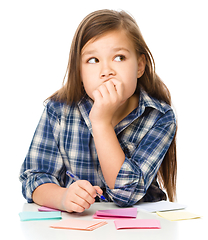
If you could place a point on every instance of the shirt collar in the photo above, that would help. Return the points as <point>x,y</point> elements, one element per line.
<point>85,105</point>
<point>146,100</point>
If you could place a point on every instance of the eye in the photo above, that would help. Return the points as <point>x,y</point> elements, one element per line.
<point>93,60</point>
<point>120,58</point>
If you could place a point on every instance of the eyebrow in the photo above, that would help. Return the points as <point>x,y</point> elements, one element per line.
<point>91,52</point>
<point>119,49</point>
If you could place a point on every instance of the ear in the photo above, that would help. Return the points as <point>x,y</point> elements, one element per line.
<point>141,65</point>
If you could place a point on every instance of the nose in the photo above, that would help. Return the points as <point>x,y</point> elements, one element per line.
<point>106,71</point>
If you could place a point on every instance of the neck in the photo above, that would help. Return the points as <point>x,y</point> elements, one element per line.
<point>127,107</point>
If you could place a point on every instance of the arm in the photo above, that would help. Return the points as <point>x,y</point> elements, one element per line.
<point>132,175</point>
<point>110,154</point>
<point>143,161</point>
<point>42,173</point>
<point>107,100</point>
<point>78,197</point>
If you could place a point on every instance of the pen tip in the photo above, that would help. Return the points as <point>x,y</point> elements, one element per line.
<point>103,198</point>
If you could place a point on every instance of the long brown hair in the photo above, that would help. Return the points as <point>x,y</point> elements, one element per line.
<point>92,27</point>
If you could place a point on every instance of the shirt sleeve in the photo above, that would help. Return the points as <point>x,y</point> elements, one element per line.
<point>43,163</point>
<point>138,172</point>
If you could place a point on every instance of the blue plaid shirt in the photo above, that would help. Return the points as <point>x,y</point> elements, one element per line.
<point>64,141</point>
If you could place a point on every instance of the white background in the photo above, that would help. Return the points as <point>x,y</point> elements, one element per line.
<point>34,45</point>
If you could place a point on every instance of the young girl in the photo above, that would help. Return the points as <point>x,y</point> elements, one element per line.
<point>111,124</point>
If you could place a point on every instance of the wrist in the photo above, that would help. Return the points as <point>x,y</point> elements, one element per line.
<point>101,126</point>
<point>62,199</point>
<point>50,195</point>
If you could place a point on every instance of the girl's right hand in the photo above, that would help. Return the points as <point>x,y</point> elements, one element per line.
<point>108,97</point>
<point>79,196</point>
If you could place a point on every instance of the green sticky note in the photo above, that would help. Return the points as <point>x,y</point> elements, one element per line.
<point>30,216</point>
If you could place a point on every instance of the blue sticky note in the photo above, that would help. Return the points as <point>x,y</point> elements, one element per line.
<point>30,216</point>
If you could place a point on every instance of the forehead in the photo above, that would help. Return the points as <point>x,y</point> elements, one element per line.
<point>114,39</point>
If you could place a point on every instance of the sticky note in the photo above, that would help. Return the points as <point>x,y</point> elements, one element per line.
<point>116,213</point>
<point>30,216</point>
<point>159,206</point>
<point>137,224</point>
<point>77,224</point>
<point>177,215</point>
<point>47,209</point>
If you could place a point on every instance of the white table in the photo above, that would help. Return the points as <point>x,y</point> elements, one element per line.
<point>188,229</point>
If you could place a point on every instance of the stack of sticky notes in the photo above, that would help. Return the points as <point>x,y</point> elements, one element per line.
<point>31,216</point>
<point>77,224</point>
<point>120,213</point>
<point>125,218</point>
<point>177,215</point>
<point>137,224</point>
<point>46,213</point>
<point>47,209</point>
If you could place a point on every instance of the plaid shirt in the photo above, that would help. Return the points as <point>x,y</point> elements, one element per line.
<point>63,141</point>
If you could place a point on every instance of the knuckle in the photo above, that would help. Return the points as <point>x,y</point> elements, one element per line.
<point>84,204</point>
<point>85,183</point>
<point>85,195</point>
<point>78,209</point>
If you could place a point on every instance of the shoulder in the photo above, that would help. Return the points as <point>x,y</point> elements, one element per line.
<point>165,110</point>
<point>56,109</point>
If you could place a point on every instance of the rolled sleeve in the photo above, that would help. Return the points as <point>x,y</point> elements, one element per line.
<point>43,163</point>
<point>138,172</point>
<point>32,180</point>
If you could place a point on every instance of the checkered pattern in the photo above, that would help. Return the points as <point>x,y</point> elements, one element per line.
<point>63,141</point>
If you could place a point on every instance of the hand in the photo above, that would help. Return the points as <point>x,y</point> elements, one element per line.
<point>108,97</point>
<point>79,196</point>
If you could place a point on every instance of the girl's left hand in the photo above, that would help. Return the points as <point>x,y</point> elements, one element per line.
<point>108,97</point>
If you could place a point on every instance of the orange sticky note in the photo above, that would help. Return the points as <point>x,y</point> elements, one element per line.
<point>76,224</point>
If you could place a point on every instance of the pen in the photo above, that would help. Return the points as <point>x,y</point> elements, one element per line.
<point>75,178</point>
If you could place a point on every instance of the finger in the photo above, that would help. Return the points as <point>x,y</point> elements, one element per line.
<point>96,95</point>
<point>113,92</point>
<point>88,188</point>
<point>82,202</point>
<point>72,201</point>
<point>111,87</point>
<point>84,199</point>
<point>98,189</point>
<point>103,90</point>
<point>84,193</point>
<point>74,207</point>
<point>118,86</point>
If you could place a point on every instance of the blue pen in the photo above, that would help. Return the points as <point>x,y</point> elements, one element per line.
<point>75,178</point>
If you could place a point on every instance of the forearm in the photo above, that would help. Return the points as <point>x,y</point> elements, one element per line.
<point>50,195</point>
<point>110,153</point>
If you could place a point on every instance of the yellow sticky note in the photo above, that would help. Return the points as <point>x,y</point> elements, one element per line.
<point>177,215</point>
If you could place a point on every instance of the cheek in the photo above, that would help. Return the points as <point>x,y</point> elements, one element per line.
<point>88,86</point>
<point>132,79</point>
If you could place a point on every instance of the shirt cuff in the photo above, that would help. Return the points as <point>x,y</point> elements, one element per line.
<point>129,186</point>
<point>34,181</point>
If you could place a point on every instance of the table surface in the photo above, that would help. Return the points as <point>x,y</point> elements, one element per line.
<point>169,230</point>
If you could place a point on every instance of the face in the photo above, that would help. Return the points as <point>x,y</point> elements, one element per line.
<point>111,57</point>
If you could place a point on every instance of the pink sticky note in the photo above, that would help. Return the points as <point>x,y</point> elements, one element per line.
<point>137,224</point>
<point>47,209</point>
<point>119,213</point>
<point>109,218</point>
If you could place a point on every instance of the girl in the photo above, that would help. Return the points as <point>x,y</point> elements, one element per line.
<point>111,124</point>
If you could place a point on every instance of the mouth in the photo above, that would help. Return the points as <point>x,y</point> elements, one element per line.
<point>108,79</point>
